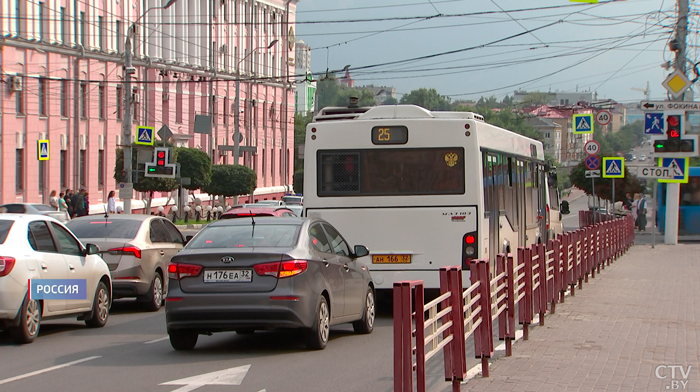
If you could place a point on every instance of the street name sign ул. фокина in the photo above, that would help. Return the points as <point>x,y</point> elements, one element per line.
<point>678,168</point>
<point>660,106</point>
<point>614,167</point>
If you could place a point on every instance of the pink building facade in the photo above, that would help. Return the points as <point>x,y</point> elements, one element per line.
<point>62,64</point>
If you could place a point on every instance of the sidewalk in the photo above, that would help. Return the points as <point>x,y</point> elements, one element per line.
<point>640,313</point>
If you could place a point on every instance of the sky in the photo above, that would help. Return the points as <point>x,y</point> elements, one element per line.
<point>499,46</point>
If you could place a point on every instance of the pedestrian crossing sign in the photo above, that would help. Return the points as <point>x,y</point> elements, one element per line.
<point>144,135</point>
<point>583,123</point>
<point>678,167</point>
<point>614,167</point>
<point>42,150</point>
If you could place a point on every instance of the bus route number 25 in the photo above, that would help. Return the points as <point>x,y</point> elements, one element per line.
<point>384,134</point>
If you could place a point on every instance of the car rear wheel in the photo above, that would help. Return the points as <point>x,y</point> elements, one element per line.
<point>100,307</point>
<point>317,335</point>
<point>29,322</point>
<point>366,323</point>
<point>183,340</point>
<point>154,299</point>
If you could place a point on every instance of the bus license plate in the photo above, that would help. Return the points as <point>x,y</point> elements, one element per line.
<point>227,276</point>
<point>391,259</point>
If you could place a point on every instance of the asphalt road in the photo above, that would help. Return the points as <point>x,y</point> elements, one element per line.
<point>132,353</point>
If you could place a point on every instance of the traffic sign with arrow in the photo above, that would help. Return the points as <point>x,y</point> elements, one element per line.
<point>660,106</point>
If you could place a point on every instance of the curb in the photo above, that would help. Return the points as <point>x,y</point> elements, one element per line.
<point>190,227</point>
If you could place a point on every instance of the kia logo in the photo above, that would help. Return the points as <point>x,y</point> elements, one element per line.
<point>227,259</point>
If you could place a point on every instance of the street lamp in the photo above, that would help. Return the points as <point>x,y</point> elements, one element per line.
<point>236,134</point>
<point>126,130</point>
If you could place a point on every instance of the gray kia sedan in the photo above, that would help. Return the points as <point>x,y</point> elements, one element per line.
<point>264,273</point>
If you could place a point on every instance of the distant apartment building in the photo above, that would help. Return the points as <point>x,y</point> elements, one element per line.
<point>305,96</point>
<point>551,135</point>
<point>63,67</point>
<point>381,93</point>
<point>555,98</point>
<point>570,144</point>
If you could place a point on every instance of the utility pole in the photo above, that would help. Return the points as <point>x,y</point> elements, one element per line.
<point>673,190</point>
<point>126,126</point>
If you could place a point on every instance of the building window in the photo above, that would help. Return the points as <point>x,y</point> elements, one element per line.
<point>101,168</point>
<point>83,27</point>
<point>226,110</point>
<point>83,168</point>
<point>120,102</point>
<point>64,25</point>
<point>102,104</point>
<point>118,35</point>
<point>83,100</point>
<point>43,91</point>
<point>19,169</point>
<point>42,21</point>
<point>178,102</point>
<point>42,175</point>
<point>225,6</point>
<point>546,135</point>
<point>272,162</point>
<point>64,169</point>
<point>101,32</point>
<point>64,98</point>
<point>19,98</point>
<point>264,164</point>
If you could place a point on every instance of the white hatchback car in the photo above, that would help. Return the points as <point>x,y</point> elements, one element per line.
<point>40,247</point>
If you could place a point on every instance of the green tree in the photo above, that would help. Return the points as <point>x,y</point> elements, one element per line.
<point>487,103</point>
<point>298,181</point>
<point>390,101</point>
<point>508,101</point>
<point>427,98</point>
<point>195,164</point>
<point>231,180</point>
<point>603,186</point>
<point>365,97</point>
<point>327,90</point>
<point>300,123</point>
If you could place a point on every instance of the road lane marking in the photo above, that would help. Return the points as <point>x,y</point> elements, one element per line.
<point>157,340</point>
<point>9,380</point>
<point>231,376</point>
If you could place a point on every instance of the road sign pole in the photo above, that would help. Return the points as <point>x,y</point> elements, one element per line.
<point>653,223</point>
<point>595,203</point>
<point>613,197</point>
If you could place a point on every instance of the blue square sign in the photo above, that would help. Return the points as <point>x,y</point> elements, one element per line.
<point>583,123</point>
<point>42,150</point>
<point>654,123</point>
<point>145,135</point>
<point>678,167</point>
<point>614,167</point>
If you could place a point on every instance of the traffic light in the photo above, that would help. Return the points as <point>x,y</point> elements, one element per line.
<point>161,166</point>
<point>676,143</point>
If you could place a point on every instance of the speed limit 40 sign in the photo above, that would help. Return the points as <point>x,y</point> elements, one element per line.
<point>603,117</point>
<point>592,147</point>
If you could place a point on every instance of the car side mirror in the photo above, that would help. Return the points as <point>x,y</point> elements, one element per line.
<point>91,249</point>
<point>188,238</point>
<point>361,251</point>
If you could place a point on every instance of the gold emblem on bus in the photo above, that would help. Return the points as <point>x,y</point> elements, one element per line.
<point>451,159</point>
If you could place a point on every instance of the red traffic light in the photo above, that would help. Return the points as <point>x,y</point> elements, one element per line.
<point>674,134</point>
<point>674,121</point>
<point>161,154</point>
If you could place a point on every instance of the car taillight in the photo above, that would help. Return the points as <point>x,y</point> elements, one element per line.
<point>178,271</point>
<point>547,216</point>
<point>127,250</point>
<point>6,265</point>
<point>282,269</point>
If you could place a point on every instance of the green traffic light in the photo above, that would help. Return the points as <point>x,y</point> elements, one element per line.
<point>659,145</point>
<point>151,169</point>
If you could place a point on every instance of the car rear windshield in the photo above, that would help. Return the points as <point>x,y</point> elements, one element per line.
<point>291,199</point>
<point>244,215</point>
<point>245,236</point>
<point>43,207</point>
<point>5,226</point>
<point>104,228</point>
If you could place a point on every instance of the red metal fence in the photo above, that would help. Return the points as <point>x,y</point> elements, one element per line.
<point>586,218</point>
<point>534,282</point>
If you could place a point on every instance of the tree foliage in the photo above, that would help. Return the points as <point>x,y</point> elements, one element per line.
<point>603,186</point>
<point>195,164</point>
<point>141,183</point>
<point>231,180</point>
<point>427,98</point>
<point>298,181</point>
<point>390,101</point>
<point>331,93</point>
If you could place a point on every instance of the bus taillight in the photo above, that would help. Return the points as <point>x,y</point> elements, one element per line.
<point>469,249</point>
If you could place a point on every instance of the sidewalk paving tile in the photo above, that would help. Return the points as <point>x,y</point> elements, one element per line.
<point>638,314</point>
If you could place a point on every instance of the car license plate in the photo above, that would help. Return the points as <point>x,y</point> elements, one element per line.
<point>391,259</point>
<point>227,276</point>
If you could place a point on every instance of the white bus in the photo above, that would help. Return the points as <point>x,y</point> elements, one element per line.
<point>422,189</point>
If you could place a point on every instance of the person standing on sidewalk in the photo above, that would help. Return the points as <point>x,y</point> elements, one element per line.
<point>633,208</point>
<point>642,213</point>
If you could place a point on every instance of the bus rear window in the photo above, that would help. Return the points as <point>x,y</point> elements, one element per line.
<point>391,172</point>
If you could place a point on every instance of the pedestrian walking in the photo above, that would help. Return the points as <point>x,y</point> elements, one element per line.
<point>53,199</point>
<point>62,205</point>
<point>111,203</point>
<point>634,208</point>
<point>642,213</point>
